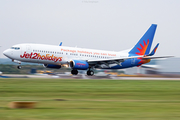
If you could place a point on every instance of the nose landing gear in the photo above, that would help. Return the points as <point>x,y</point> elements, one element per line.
<point>19,62</point>
<point>19,66</point>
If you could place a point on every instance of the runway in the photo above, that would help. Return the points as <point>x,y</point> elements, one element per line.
<point>85,77</point>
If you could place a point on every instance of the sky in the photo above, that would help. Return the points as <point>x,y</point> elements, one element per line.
<point>113,25</point>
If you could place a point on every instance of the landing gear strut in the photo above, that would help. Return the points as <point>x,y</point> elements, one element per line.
<point>19,62</point>
<point>74,72</point>
<point>90,73</point>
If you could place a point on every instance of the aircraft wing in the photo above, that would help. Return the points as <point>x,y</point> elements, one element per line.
<point>111,61</point>
<point>118,61</point>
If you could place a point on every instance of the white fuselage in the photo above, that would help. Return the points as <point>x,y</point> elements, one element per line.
<point>51,54</point>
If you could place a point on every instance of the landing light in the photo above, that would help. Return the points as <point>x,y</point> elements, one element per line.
<point>66,65</point>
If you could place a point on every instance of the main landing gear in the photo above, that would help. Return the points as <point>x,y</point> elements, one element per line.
<point>89,72</point>
<point>74,72</point>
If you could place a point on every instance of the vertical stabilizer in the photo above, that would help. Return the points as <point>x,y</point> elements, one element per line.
<point>144,44</point>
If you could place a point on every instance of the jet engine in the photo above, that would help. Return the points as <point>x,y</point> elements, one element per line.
<point>79,65</point>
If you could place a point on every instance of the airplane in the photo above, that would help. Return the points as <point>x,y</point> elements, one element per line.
<point>52,56</point>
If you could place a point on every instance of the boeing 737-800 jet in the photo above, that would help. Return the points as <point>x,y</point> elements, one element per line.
<point>84,59</point>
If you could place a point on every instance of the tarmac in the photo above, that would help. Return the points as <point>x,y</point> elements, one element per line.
<point>83,76</point>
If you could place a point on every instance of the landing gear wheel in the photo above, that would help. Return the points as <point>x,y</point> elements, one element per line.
<point>19,67</point>
<point>90,73</point>
<point>74,72</point>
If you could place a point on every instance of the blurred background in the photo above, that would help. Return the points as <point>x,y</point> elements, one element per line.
<point>156,68</point>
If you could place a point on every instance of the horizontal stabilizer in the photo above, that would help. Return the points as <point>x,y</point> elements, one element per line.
<point>154,57</point>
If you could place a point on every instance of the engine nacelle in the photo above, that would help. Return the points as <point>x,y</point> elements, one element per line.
<point>52,66</point>
<point>79,65</point>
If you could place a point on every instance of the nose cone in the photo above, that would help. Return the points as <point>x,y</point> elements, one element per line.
<point>6,53</point>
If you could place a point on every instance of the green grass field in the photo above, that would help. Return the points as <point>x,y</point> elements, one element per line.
<point>91,99</point>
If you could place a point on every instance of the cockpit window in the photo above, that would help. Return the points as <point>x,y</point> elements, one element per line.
<point>16,48</point>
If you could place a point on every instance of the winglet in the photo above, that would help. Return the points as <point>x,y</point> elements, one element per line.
<point>154,50</point>
<point>60,44</point>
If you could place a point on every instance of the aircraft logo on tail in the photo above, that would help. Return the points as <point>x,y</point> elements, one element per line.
<point>143,49</point>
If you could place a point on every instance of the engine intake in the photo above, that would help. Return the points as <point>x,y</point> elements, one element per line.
<point>52,66</point>
<point>79,65</point>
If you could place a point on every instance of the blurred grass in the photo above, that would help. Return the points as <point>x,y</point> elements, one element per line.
<point>91,99</point>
